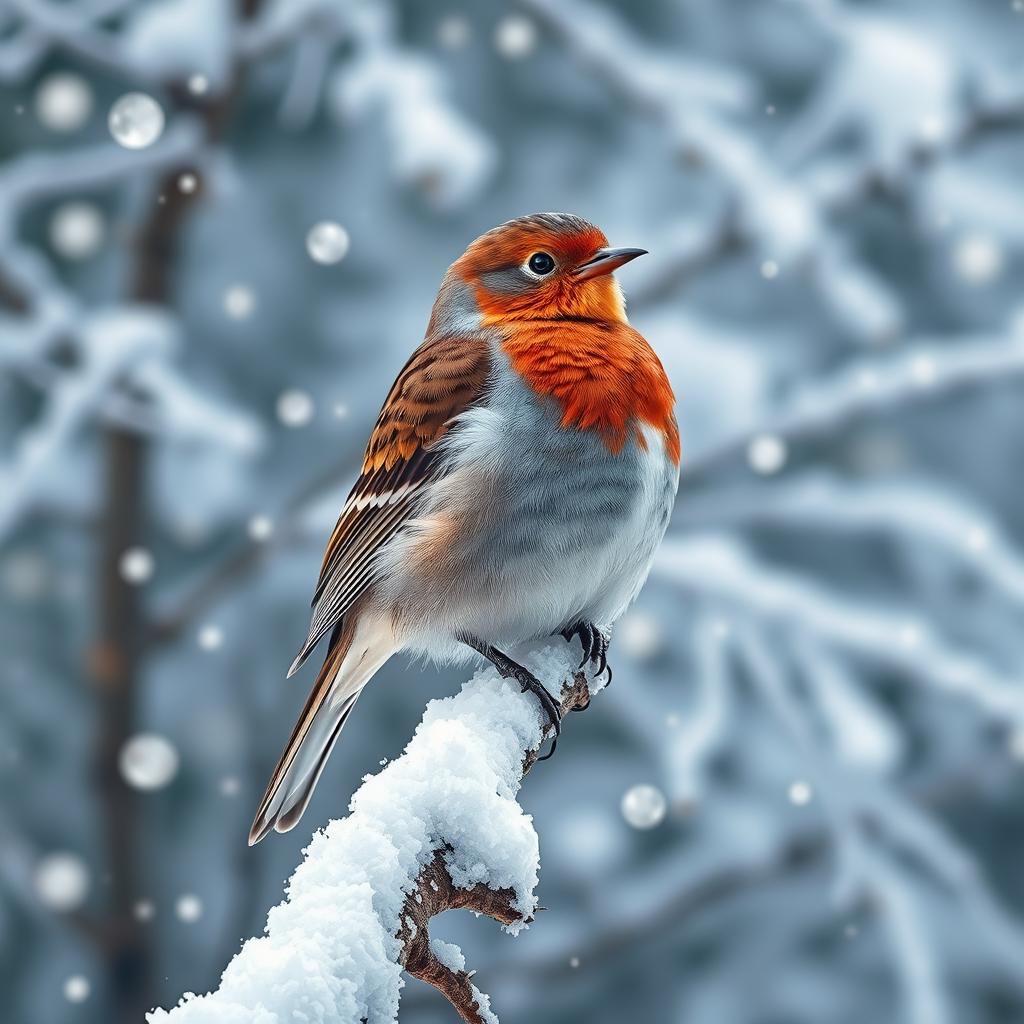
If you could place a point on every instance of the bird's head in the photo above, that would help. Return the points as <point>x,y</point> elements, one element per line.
<point>547,265</point>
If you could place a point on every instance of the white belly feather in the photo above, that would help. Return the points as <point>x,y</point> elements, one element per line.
<point>533,529</point>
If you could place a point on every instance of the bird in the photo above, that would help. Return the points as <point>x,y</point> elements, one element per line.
<point>518,480</point>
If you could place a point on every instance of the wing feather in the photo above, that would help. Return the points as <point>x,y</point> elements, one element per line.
<point>442,379</point>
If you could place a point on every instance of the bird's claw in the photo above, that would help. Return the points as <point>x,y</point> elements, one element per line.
<point>509,669</point>
<point>529,682</point>
<point>594,642</point>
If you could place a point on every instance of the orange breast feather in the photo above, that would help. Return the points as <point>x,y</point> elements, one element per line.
<point>604,376</point>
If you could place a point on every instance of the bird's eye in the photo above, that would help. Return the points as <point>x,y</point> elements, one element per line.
<point>541,263</point>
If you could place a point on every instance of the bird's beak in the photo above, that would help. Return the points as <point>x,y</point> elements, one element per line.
<point>605,261</point>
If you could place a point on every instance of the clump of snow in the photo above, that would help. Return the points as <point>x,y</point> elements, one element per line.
<point>483,1003</point>
<point>433,146</point>
<point>331,952</point>
<point>449,954</point>
<point>179,39</point>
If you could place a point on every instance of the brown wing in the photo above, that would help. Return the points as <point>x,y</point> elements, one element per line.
<point>443,378</point>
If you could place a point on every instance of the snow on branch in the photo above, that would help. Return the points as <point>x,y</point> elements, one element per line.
<point>601,40</point>
<point>72,27</point>
<point>781,201</point>
<point>921,372</point>
<point>433,146</point>
<point>765,207</point>
<point>715,566</point>
<point>114,341</point>
<point>876,832</point>
<point>437,829</point>
<point>913,510</point>
<point>35,176</point>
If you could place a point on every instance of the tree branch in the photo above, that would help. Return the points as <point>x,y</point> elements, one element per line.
<point>438,829</point>
<point>924,372</point>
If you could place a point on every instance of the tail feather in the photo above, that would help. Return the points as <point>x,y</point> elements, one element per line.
<point>346,670</point>
<point>292,784</point>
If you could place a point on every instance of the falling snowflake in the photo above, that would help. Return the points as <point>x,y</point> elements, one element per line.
<point>198,85</point>
<point>260,528</point>
<point>189,908</point>
<point>769,270</point>
<point>239,301</point>
<point>767,454</point>
<point>187,183</point>
<point>136,120</point>
<point>144,910</point>
<point>295,408</point>
<point>63,102</point>
<point>800,793</point>
<point>515,37</point>
<point>77,988</point>
<point>644,806</point>
<point>148,761</point>
<point>327,242</point>
<point>136,565</point>
<point>76,230</point>
<point>61,881</point>
<point>210,638</point>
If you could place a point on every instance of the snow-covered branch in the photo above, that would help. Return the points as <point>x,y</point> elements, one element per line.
<point>718,567</point>
<point>115,341</point>
<point>780,201</point>
<point>437,829</point>
<point>913,510</point>
<point>923,372</point>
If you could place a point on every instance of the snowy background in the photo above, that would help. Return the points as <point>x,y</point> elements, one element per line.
<point>821,691</point>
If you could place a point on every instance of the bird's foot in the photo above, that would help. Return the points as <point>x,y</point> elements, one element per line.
<point>594,642</point>
<point>509,669</point>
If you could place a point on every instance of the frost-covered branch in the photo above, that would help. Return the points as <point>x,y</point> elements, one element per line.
<point>717,567</point>
<point>775,200</point>
<point>35,176</point>
<point>876,831</point>
<point>921,373</point>
<point>437,829</point>
<point>913,510</point>
<point>115,340</point>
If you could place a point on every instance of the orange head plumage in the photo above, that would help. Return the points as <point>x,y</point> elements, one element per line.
<point>544,283</point>
<point>544,266</point>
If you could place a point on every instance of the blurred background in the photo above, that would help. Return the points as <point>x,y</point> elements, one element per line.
<point>221,230</point>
